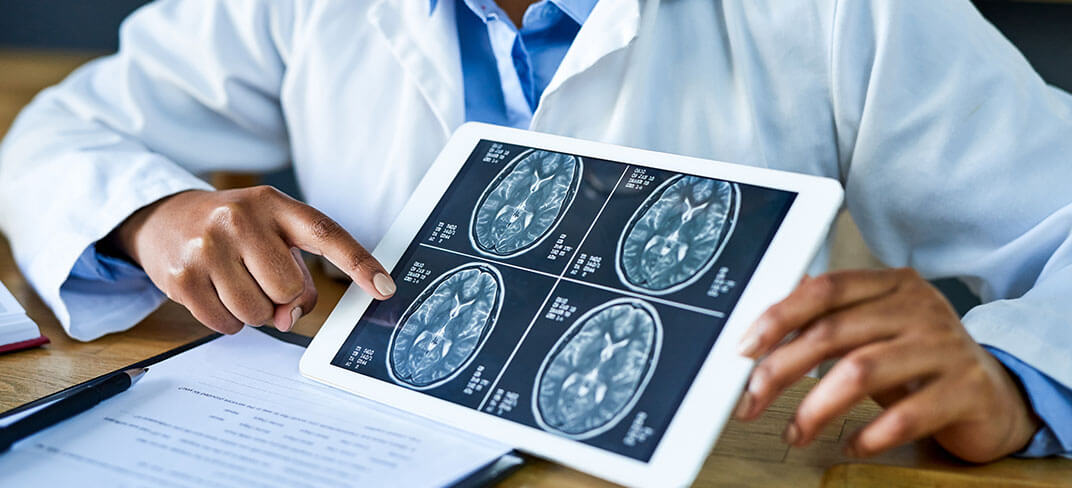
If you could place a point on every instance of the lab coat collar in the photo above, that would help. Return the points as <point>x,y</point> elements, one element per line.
<point>427,48</point>
<point>612,25</point>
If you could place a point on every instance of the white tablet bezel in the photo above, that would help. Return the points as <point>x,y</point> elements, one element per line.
<point>714,391</point>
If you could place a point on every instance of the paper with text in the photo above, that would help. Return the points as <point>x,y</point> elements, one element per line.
<point>236,412</point>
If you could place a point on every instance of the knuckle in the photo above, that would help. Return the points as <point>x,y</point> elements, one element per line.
<point>182,279</point>
<point>930,341</point>
<point>952,339</point>
<point>291,290</point>
<point>263,191</point>
<point>173,295</point>
<point>936,306</point>
<point>285,281</point>
<point>221,322</point>
<point>769,370</point>
<point>229,326</point>
<point>324,229</point>
<point>824,288</point>
<point>761,377</point>
<point>940,309</point>
<point>938,329</point>
<point>811,415</point>
<point>360,260</point>
<point>228,217</point>
<point>976,378</point>
<point>775,316</point>
<point>925,330</point>
<point>901,423</point>
<point>204,246</point>
<point>857,371</point>
<point>823,331</point>
<point>258,313</point>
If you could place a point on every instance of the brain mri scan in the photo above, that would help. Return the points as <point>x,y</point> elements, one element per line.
<point>598,369</point>
<point>444,328</point>
<point>524,202</point>
<point>676,234</point>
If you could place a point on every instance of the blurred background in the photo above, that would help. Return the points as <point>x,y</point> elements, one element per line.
<point>41,41</point>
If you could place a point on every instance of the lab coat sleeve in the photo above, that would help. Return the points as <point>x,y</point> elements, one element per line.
<point>957,161</point>
<point>193,88</point>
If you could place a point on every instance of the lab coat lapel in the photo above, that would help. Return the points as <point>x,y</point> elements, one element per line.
<point>427,48</point>
<point>612,25</point>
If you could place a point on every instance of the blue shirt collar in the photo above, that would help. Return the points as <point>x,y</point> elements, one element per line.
<point>578,10</point>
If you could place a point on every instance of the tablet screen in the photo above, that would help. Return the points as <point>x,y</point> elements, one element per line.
<point>571,294</point>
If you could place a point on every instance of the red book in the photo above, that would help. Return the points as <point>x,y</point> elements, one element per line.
<point>17,331</point>
<point>18,346</point>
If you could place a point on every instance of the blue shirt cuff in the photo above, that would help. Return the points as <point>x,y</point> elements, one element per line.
<point>1051,401</point>
<point>104,294</point>
<point>92,265</point>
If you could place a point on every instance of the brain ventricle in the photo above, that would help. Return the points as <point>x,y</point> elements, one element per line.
<point>445,326</point>
<point>598,368</point>
<point>676,233</point>
<point>525,202</point>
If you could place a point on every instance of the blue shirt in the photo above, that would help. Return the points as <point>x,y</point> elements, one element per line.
<point>505,68</point>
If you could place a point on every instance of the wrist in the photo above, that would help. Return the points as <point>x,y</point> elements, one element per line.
<point>1025,423</point>
<point>123,240</point>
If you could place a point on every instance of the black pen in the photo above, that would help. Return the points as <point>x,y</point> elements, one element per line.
<point>68,407</point>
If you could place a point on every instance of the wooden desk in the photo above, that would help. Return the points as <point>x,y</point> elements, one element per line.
<point>749,454</point>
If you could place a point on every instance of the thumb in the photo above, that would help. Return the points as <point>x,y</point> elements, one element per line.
<point>287,315</point>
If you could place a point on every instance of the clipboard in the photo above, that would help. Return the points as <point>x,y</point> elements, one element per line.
<point>486,476</point>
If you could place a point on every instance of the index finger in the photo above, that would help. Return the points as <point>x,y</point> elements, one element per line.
<point>812,299</point>
<point>309,229</point>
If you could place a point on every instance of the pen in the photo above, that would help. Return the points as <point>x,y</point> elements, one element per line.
<point>68,407</point>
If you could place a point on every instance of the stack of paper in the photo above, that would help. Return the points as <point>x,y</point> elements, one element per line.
<point>236,412</point>
<point>17,331</point>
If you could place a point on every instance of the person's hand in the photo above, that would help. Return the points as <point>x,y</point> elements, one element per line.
<point>901,343</point>
<point>231,257</point>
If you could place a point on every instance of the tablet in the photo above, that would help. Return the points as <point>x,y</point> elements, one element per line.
<point>580,301</point>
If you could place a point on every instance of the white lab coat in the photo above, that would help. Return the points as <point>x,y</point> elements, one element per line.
<point>954,154</point>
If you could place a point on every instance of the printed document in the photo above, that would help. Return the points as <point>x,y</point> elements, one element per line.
<point>236,412</point>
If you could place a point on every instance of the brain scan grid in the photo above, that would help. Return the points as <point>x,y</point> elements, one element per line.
<point>569,294</point>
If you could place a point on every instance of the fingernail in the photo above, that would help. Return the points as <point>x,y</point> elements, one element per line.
<point>791,434</point>
<point>744,406</point>
<point>295,314</point>
<point>749,344</point>
<point>384,284</point>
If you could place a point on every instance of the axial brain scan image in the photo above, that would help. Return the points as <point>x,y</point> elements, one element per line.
<point>524,202</point>
<point>598,369</point>
<point>445,326</point>
<point>677,233</point>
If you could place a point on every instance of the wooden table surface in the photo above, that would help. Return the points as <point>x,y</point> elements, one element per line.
<point>747,454</point>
